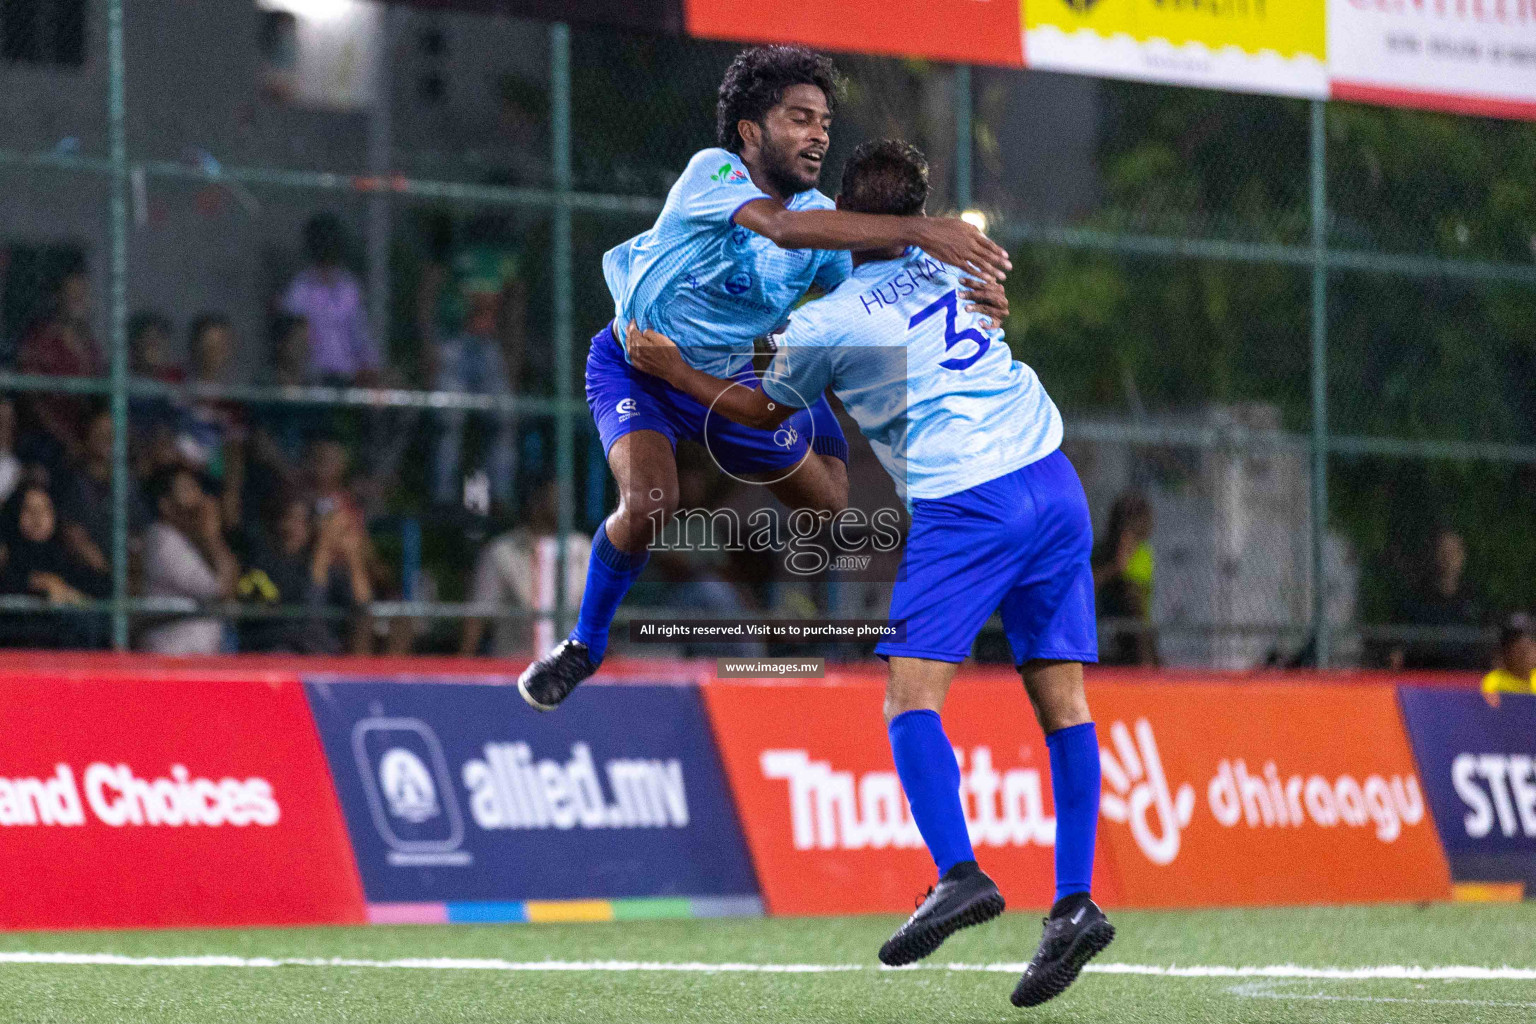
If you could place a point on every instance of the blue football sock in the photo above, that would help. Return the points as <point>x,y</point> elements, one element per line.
<point>1075,788</point>
<point>610,572</point>
<point>931,777</point>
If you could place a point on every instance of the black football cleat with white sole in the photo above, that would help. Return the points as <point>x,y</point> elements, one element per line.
<point>550,680</point>
<point>965,896</point>
<point>1075,933</point>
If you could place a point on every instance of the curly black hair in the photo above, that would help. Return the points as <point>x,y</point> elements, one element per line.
<point>755,83</point>
<point>887,176</point>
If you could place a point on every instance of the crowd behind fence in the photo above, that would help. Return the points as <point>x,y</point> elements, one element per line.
<point>298,367</point>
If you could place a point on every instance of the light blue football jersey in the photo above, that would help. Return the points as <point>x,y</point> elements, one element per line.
<point>708,284</point>
<point>944,404</point>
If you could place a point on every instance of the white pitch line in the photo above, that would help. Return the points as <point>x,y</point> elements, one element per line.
<point>1385,972</point>
<point>1263,990</point>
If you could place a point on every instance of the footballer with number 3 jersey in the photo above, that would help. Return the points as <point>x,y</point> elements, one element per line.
<point>999,524</point>
<point>743,236</point>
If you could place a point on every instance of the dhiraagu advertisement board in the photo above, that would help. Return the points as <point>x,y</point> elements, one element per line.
<point>1265,46</point>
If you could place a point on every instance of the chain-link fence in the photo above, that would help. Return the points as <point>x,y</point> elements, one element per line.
<point>294,300</point>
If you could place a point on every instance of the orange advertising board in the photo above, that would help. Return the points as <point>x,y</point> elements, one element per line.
<point>966,31</point>
<point>1214,793</point>
<point>1258,793</point>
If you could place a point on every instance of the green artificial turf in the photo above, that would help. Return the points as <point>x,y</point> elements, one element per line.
<point>1439,935</point>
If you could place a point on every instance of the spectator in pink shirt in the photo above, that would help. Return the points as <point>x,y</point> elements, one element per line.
<point>328,295</point>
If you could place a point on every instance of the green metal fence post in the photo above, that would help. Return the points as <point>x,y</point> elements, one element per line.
<point>963,136</point>
<point>1319,381</point>
<point>565,436</point>
<point>117,130</point>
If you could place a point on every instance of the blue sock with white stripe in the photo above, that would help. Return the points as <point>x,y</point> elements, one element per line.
<point>1075,788</point>
<point>610,573</point>
<point>930,775</point>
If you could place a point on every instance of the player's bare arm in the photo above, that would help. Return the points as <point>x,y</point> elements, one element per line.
<point>784,154</point>
<point>947,239</point>
<point>657,355</point>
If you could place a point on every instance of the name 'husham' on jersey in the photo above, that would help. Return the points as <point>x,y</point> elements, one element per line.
<point>944,404</point>
<point>707,283</point>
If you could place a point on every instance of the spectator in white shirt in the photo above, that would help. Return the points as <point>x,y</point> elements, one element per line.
<point>519,569</point>
<point>185,556</point>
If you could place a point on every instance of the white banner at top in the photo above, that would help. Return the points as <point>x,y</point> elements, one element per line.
<point>1468,56</point>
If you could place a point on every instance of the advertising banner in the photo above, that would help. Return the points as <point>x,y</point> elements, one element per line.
<point>1268,46</point>
<point>1263,793</point>
<point>136,802</point>
<point>1213,794</point>
<point>1466,56</point>
<point>965,31</point>
<point>462,793</point>
<point>1479,765</point>
<point>825,817</point>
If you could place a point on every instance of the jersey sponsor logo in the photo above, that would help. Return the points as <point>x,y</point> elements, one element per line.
<point>838,810</point>
<point>119,797</point>
<point>728,175</point>
<point>739,283</point>
<point>626,408</point>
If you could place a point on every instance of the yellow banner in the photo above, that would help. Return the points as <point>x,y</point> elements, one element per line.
<point>1287,28</point>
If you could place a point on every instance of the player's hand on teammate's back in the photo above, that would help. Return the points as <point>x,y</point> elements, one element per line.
<point>953,241</point>
<point>652,353</point>
<point>989,299</point>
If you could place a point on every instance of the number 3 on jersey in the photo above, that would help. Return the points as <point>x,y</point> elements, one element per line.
<point>953,337</point>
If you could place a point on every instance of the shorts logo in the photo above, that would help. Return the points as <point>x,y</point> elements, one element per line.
<point>786,437</point>
<point>626,408</point>
<point>738,283</point>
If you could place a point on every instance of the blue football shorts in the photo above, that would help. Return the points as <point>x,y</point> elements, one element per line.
<point>1019,544</point>
<point>623,400</point>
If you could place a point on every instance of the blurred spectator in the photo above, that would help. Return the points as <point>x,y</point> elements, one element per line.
<point>152,420</point>
<point>292,563</point>
<point>1516,671</point>
<point>85,500</point>
<point>1122,581</point>
<point>327,470</point>
<point>210,432</point>
<point>185,556</point>
<point>518,570</point>
<point>1442,598</point>
<point>61,344</point>
<point>329,296</point>
<point>38,564</point>
<point>471,315</point>
<point>10,465</point>
<point>281,430</point>
<point>149,348</point>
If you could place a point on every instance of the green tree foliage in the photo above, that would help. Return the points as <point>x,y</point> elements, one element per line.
<point>1409,357</point>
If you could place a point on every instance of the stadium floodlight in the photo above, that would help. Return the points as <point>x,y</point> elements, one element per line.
<point>976,218</point>
<point>314,10</point>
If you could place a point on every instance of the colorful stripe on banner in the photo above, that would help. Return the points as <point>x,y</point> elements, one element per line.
<point>563,911</point>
